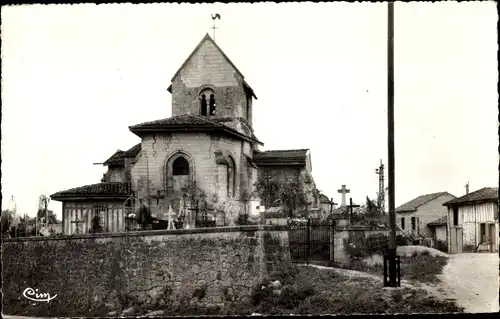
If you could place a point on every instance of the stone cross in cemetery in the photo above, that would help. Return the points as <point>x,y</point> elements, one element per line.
<point>351,206</point>
<point>332,204</point>
<point>343,191</point>
<point>170,221</point>
<point>77,222</point>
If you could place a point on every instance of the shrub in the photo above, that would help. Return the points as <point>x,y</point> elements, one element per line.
<point>442,246</point>
<point>377,243</point>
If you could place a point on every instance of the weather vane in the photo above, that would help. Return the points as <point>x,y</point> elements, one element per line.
<point>215,16</point>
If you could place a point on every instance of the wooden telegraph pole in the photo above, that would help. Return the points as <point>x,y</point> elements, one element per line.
<point>390,119</point>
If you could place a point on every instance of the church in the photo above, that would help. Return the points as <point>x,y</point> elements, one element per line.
<point>208,144</point>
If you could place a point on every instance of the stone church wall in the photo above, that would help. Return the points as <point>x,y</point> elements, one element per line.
<point>201,148</point>
<point>207,68</point>
<point>154,269</point>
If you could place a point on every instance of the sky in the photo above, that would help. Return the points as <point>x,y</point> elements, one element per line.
<point>74,77</point>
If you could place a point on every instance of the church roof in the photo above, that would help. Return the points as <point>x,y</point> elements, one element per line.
<point>118,158</point>
<point>412,205</point>
<point>95,191</point>
<point>485,194</point>
<point>281,157</point>
<point>188,122</point>
<point>208,38</point>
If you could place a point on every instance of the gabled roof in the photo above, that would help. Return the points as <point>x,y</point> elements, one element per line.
<point>412,205</point>
<point>439,222</point>
<point>281,157</point>
<point>95,191</point>
<point>208,38</point>
<point>485,194</point>
<point>188,122</point>
<point>118,158</point>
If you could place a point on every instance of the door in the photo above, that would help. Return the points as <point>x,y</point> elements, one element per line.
<point>455,240</point>
<point>493,238</point>
<point>459,240</point>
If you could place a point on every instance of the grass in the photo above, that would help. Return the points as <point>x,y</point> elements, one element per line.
<point>332,293</point>
<point>420,266</point>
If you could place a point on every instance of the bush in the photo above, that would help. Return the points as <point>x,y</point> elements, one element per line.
<point>442,246</point>
<point>377,243</point>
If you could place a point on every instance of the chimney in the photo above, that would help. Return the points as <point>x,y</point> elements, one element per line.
<point>467,188</point>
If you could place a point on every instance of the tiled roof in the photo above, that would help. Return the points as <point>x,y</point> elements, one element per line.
<point>419,201</point>
<point>485,194</point>
<point>119,157</point>
<point>107,189</point>
<point>188,122</point>
<point>184,119</point>
<point>439,222</point>
<point>292,157</point>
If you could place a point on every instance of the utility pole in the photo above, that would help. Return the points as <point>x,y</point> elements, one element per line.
<point>390,140</point>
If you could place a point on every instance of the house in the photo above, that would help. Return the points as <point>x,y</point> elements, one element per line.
<point>208,145</point>
<point>439,229</point>
<point>473,221</point>
<point>413,216</point>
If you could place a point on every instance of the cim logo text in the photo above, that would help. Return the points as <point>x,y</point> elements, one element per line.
<point>31,294</point>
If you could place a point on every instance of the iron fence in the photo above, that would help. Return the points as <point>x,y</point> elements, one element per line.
<point>311,242</point>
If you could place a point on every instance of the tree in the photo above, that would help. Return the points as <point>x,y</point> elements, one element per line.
<point>288,195</point>
<point>6,222</point>
<point>370,213</point>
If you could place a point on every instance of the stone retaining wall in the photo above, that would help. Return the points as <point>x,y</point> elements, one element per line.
<point>197,267</point>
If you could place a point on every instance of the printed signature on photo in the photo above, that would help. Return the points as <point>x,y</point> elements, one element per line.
<point>32,294</point>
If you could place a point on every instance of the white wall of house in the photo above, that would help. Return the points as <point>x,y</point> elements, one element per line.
<point>470,218</point>
<point>440,233</point>
<point>425,214</point>
<point>114,219</point>
<point>406,226</point>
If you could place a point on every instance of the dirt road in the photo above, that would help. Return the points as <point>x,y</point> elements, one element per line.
<point>472,280</point>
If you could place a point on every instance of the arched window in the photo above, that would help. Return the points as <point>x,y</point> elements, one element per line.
<point>203,101</point>
<point>207,102</point>
<point>231,177</point>
<point>212,104</point>
<point>180,166</point>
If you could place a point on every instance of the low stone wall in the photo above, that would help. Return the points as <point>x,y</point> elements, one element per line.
<point>198,267</point>
<point>355,236</point>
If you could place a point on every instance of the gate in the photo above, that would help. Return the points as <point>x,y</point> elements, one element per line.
<point>311,242</point>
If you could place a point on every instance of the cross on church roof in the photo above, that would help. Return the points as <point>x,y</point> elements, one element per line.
<point>216,16</point>
<point>344,191</point>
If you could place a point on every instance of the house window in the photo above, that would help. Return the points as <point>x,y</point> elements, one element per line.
<point>402,223</point>
<point>413,223</point>
<point>212,104</point>
<point>455,216</point>
<point>231,174</point>
<point>203,102</point>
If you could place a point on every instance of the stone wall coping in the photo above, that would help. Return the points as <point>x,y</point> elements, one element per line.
<point>227,229</point>
<point>360,228</point>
